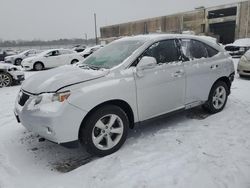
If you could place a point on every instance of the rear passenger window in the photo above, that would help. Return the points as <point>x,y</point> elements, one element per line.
<point>193,49</point>
<point>164,51</point>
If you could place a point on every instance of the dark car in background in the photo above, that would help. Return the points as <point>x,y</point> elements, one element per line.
<point>79,48</point>
<point>238,48</point>
<point>5,53</point>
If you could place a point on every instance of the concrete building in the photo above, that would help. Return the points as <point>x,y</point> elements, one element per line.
<point>225,22</point>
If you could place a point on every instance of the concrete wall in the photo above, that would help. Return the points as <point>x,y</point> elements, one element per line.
<point>168,24</point>
<point>194,20</point>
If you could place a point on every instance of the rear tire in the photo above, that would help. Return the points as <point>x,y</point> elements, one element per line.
<point>104,131</point>
<point>217,98</point>
<point>38,66</point>
<point>5,79</point>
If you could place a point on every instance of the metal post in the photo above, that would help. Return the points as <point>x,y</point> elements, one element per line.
<point>96,41</point>
<point>248,9</point>
<point>86,38</point>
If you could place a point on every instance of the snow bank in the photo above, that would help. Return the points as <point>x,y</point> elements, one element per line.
<point>189,149</point>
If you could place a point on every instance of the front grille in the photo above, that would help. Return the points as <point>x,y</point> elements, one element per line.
<point>23,99</point>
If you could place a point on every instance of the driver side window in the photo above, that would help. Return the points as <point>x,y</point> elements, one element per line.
<point>53,53</point>
<point>164,52</point>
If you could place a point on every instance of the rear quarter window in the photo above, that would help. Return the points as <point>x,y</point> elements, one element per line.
<point>211,51</point>
<point>194,49</point>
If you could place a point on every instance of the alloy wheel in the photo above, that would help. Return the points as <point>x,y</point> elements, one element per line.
<point>5,80</point>
<point>219,97</point>
<point>107,132</point>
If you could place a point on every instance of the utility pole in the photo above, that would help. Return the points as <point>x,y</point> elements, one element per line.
<point>96,41</point>
<point>86,38</point>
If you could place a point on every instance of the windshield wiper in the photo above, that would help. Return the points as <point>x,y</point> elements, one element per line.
<point>93,67</point>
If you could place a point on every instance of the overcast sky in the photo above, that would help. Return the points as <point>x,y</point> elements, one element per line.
<point>54,19</point>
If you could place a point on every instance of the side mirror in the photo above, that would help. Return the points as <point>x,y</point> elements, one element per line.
<point>146,63</point>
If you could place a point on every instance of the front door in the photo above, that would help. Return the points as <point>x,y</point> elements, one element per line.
<point>53,59</point>
<point>162,88</point>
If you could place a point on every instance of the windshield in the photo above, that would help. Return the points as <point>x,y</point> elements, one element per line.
<point>113,54</point>
<point>24,52</point>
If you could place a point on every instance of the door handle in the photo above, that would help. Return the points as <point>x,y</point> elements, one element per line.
<point>214,66</point>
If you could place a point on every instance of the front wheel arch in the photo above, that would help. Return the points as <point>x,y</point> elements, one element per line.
<point>120,103</point>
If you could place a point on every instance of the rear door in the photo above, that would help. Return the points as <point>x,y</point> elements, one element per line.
<point>201,70</point>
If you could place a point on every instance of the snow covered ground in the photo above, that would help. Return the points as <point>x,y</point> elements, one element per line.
<point>189,149</point>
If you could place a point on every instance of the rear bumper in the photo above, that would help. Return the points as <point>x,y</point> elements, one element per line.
<point>231,77</point>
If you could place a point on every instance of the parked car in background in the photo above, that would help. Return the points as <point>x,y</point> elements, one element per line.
<point>10,74</point>
<point>238,48</point>
<point>79,48</point>
<point>5,53</point>
<point>90,50</point>
<point>17,59</point>
<point>130,80</point>
<point>51,58</point>
<point>244,65</point>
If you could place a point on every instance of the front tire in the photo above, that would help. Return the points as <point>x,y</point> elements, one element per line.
<point>5,79</point>
<point>104,131</point>
<point>38,66</point>
<point>217,98</point>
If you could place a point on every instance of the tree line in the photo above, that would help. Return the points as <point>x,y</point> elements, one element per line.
<point>18,43</point>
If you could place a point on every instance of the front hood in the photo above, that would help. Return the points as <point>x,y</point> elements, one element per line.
<point>58,78</point>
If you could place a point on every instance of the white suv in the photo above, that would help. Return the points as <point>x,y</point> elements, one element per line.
<point>129,81</point>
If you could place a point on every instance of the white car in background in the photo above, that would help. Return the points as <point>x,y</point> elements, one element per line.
<point>129,81</point>
<point>10,75</point>
<point>244,65</point>
<point>239,47</point>
<point>17,58</point>
<point>50,59</point>
<point>90,50</point>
